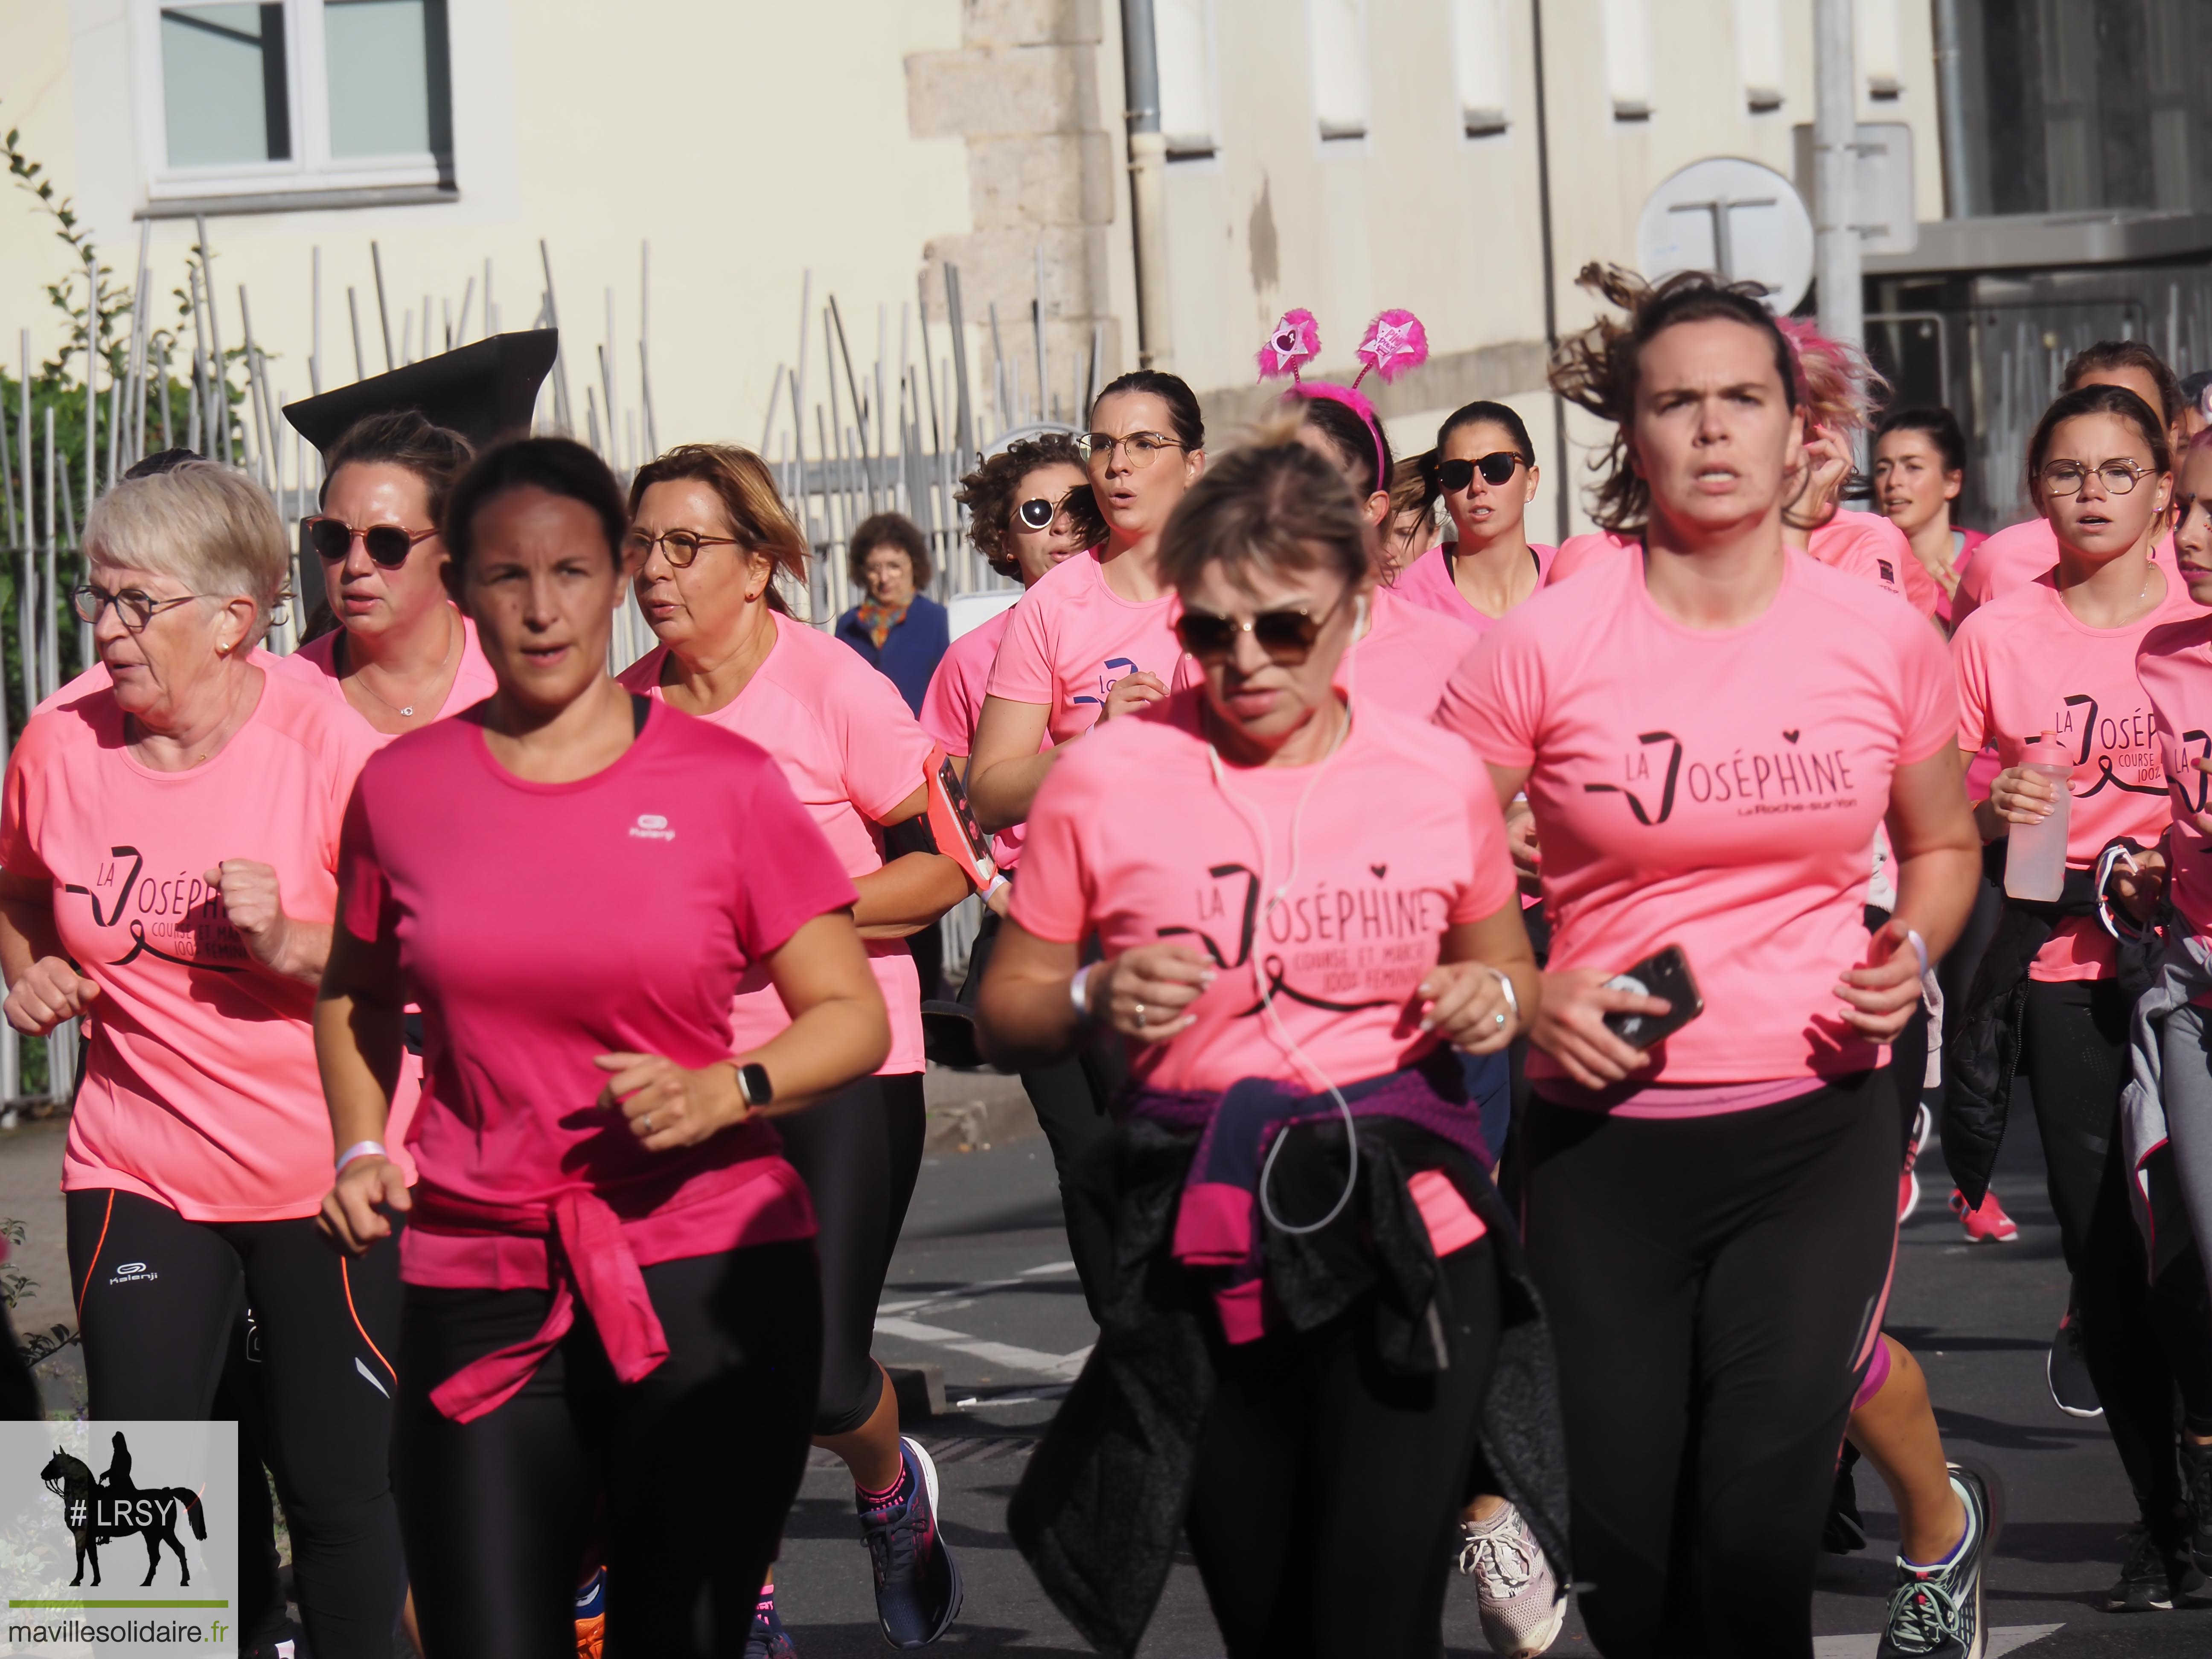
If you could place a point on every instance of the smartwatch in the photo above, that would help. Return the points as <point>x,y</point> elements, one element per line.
<point>753,1086</point>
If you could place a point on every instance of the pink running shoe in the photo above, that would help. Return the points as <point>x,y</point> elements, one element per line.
<point>1520,1602</point>
<point>1989,1224</point>
<point>1908,1183</point>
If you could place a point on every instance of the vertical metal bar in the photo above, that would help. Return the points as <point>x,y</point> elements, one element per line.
<point>383,309</point>
<point>561,405</point>
<point>218,371</point>
<point>23,443</point>
<point>468,299</point>
<point>44,624</point>
<point>963,429</point>
<point>91,320</point>
<point>353,311</point>
<point>929,366</point>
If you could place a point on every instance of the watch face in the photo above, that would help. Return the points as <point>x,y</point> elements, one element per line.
<point>753,1080</point>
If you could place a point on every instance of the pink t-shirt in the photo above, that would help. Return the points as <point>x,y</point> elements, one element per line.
<point>695,863</point>
<point>1404,658</point>
<point>200,1088</point>
<point>1717,790</point>
<point>852,752</point>
<point>1590,551</point>
<point>1399,840</point>
<point>2026,665</point>
<point>2175,668</point>
<point>2013,557</point>
<point>1428,583</point>
<point>316,664</point>
<point>1871,547</point>
<point>954,703</point>
<point>1072,638</point>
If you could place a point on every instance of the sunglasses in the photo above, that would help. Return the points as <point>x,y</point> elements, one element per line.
<point>1287,636</point>
<point>1037,514</point>
<point>1455,475</point>
<point>388,544</point>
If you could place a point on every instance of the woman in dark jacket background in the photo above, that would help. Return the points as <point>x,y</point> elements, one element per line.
<point>901,630</point>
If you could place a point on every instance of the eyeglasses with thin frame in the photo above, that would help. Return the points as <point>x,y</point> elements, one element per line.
<point>1143,448</point>
<point>1286,636</point>
<point>138,609</point>
<point>680,547</point>
<point>1496,469</point>
<point>388,544</point>
<point>2067,478</point>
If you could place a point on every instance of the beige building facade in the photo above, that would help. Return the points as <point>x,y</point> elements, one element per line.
<point>1344,155</point>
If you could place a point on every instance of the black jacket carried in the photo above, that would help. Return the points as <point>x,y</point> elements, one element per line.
<point>1099,1514</point>
<point>1983,1054</point>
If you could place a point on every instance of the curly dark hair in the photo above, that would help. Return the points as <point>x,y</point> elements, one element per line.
<point>988,494</point>
<point>1597,369</point>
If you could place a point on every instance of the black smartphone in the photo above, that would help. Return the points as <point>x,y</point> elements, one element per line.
<point>1664,973</point>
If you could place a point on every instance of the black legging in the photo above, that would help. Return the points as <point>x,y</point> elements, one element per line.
<point>680,1483</point>
<point>859,1153</point>
<point>263,1319</point>
<point>1070,1098</point>
<point>1711,1283</point>
<point>2143,1341</point>
<point>1327,1489</point>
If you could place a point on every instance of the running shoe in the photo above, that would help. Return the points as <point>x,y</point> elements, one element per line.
<point>1518,1598</point>
<point>1936,1612</point>
<point>2196,1475</point>
<point>2066,1369</point>
<point>1986,1224</point>
<point>2155,1576</point>
<point>1908,1181</point>
<point>592,1615</point>
<point>917,1582</point>
<point>768,1638</point>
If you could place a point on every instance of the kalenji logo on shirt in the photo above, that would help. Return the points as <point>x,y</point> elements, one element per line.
<point>1791,778</point>
<point>132,1273</point>
<point>651,826</point>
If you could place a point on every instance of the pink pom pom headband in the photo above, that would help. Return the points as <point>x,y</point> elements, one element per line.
<point>1395,344</point>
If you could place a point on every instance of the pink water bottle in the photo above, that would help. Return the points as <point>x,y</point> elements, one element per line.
<point>2035,853</point>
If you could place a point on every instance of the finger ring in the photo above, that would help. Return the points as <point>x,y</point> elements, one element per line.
<point>647,1120</point>
<point>1137,1014</point>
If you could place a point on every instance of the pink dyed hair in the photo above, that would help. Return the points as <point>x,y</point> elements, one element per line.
<point>1838,388</point>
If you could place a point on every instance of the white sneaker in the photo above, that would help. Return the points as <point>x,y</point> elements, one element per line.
<point>1521,1604</point>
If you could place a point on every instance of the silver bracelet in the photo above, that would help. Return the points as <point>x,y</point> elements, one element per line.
<point>1076,988</point>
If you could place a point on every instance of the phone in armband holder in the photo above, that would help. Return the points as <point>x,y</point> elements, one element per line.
<point>953,823</point>
<point>1664,973</point>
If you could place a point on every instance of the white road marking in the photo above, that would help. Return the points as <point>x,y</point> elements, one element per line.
<point>2002,1640</point>
<point>999,1353</point>
<point>982,1287</point>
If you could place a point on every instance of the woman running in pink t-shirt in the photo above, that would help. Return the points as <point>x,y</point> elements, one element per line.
<point>1709,732</point>
<point>1919,469</point>
<point>2056,985</point>
<point>401,655</point>
<point>1484,468</point>
<point>610,1327</point>
<point>1311,1267</point>
<point>710,541</point>
<point>1094,639</point>
<point>170,839</point>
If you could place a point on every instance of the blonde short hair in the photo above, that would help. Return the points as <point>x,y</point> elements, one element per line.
<point>211,527</point>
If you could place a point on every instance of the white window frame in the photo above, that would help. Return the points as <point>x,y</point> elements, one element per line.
<point>1186,146</point>
<point>1630,78</point>
<point>1762,54</point>
<point>1339,142</point>
<point>1480,124</point>
<point>313,176</point>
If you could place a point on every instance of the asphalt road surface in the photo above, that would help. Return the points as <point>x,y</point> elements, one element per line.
<point>983,1289</point>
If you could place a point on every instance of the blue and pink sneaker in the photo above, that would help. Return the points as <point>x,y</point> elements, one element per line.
<point>917,1583</point>
<point>768,1639</point>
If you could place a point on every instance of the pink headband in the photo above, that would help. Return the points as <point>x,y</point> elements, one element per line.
<point>1395,344</point>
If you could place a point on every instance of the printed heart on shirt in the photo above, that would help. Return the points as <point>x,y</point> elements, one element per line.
<point>1380,870</point>
<point>1791,735</point>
